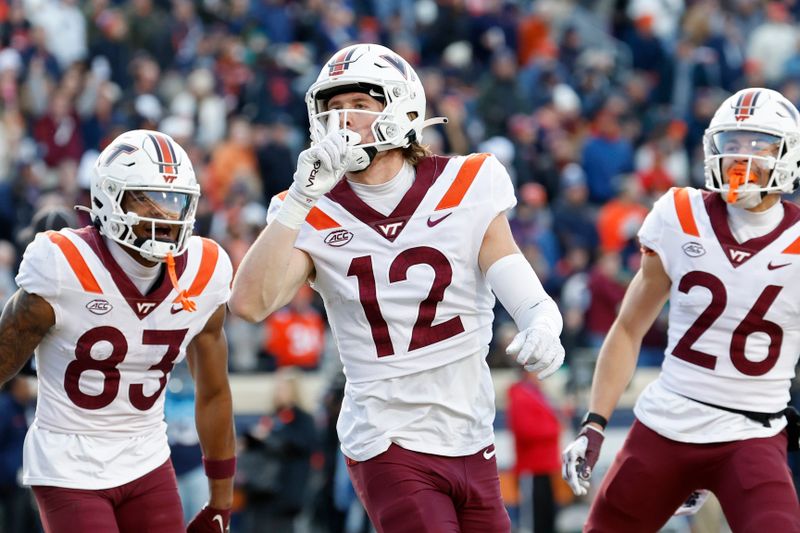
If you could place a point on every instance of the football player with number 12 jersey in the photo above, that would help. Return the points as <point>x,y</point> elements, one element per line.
<point>728,260</point>
<point>109,310</point>
<point>405,249</point>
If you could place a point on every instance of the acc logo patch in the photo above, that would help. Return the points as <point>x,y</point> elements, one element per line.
<point>338,238</point>
<point>99,307</point>
<point>694,249</point>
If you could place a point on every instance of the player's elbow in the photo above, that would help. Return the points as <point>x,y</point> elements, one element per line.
<point>242,305</point>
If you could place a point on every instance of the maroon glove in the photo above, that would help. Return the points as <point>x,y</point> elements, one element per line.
<point>578,459</point>
<point>210,520</point>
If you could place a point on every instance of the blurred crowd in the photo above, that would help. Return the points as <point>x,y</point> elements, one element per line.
<point>596,107</point>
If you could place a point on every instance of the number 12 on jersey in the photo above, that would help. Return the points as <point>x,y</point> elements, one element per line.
<point>424,333</point>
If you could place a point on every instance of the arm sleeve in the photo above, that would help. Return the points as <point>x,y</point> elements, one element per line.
<point>516,285</point>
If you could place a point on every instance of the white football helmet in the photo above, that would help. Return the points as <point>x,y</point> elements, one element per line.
<point>384,75</point>
<point>157,172</point>
<point>772,125</point>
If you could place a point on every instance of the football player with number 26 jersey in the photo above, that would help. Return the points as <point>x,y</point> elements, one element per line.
<point>728,260</point>
<point>109,310</point>
<point>406,249</point>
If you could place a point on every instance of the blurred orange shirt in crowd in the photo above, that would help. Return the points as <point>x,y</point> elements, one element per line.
<point>617,222</point>
<point>296,334</point>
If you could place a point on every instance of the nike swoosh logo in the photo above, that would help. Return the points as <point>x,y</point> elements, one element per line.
<point>218,518</point>
<point>174,311</point>
<point>488,454</point>
<point>770,266</point>
<point>432,223</point>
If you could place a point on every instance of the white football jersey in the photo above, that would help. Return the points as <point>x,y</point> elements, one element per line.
<point>734,316</point>
<point>405,295</point>
<point>404,292</point>
<point>103,366</point>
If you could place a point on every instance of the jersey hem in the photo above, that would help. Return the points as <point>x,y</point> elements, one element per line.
<point>72,484</point>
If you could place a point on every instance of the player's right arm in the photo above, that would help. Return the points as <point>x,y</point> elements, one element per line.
<point>25,321</point>
<point>270,274</point>
<point>646,295</point>
<point>273,270</point>
<point>616,363</point>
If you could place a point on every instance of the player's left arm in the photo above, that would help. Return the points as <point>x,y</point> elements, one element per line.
<point>207,355</point>
<point>537,346</point>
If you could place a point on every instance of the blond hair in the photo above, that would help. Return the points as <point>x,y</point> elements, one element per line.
<point>416,152</point>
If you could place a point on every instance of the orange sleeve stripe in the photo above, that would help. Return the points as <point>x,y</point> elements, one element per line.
<point>76,262</point>
<point>317,218</point>
<point>208,262</point>
<point>793,248</point>
<point>683,206</point>
<point>464,178</point>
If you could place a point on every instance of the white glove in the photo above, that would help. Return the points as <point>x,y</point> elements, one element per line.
<point>537,349</point>
<point>319,168</point>
<point>578,459</point>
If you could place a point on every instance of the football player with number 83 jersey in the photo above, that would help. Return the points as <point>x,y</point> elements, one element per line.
<point>110,309</point>
<point>406,249</point>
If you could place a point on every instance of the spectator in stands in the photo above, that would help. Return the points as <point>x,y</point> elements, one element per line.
<point>500,95</point>
<point>295,335</point>
<point>277,472</point>
<point>619,219</point>
<point>606,286</point>
<point>606,154</point>
<point>536,428</point>
<point>17,513</point>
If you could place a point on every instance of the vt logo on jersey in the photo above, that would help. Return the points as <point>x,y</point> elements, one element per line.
<point>99,307</point>
<point>390,229</point>
<point>144,308</point>
<point>738,256</point>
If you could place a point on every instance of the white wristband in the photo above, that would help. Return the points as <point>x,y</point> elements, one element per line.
<point>293,212</point>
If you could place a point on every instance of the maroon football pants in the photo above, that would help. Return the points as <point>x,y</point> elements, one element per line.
<point>411,492</point>
<point>652,475</point>
<point>150,503</point>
